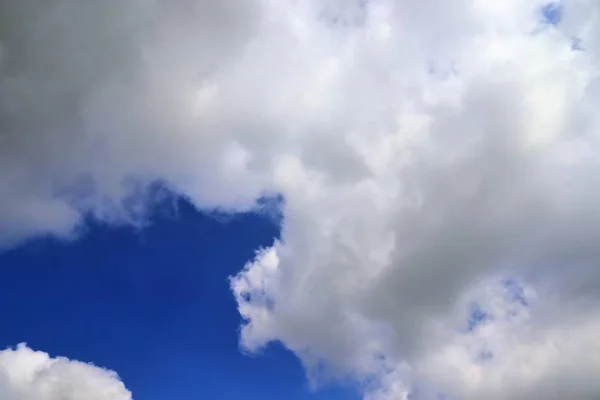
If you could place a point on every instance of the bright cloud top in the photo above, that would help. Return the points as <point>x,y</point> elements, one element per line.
<point>32,375</point>
<point>425,151</point>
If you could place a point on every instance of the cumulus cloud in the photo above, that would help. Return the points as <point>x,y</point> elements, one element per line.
<point>26,374</point>
<point>427,152</point>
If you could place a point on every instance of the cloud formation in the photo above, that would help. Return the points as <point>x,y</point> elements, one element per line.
<point>427,152</point>
<point>26,374</point>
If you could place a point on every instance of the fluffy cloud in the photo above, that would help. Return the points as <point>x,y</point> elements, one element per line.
<point>426,152</point>
<point>32,375</point>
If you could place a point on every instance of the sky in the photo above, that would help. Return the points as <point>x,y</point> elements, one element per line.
<point>380,200</point>
<point>154,305</point>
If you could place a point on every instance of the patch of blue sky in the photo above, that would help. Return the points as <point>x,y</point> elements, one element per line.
<point>272,207</point>
<point>515,291</point>
<point>516,297</point>
<point>154,305</point>
<point>477,317</point>
<point>552,13</point>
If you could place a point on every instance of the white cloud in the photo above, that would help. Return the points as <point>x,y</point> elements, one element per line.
<point>421,147</point>
<point>26,374</point>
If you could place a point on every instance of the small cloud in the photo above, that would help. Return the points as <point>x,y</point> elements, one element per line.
<point>34,375</point>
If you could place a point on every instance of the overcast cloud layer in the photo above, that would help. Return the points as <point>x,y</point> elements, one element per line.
<point>436,157</point>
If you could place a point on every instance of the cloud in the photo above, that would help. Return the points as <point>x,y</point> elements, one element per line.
<point>26,374</point>
<point>424,151</point>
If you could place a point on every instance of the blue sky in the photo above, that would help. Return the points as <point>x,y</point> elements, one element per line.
<point>154,305</point>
